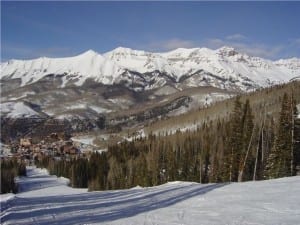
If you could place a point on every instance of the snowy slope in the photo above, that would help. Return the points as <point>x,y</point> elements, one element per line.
<point>46,199</point>
<point>139,61</point>
<point>228,63</point>
<point>117,65</point>
<point>293,65</point>
<point>78,68</point>
<point>17,110</point>
<point>225,62</point>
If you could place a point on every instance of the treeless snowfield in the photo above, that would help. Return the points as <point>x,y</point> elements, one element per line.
<point>45,199</point>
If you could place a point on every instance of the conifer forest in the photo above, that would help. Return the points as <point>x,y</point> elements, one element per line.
<point>246,145</point>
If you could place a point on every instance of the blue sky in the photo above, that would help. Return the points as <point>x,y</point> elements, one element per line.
<point>57,29</point>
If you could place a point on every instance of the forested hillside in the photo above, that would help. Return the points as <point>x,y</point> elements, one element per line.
<point>258,138</point>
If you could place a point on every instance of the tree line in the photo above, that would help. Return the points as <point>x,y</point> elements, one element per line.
<point>10,169</point>
<point>245,146</point>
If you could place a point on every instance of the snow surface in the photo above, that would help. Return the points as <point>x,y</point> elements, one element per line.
<point>86,65</point>
<point>137,135</point>
<point>293,64</point>
<point>99,109</point>
<point>5,150</point>
<point>109,68</point>
<point>46,199</point>
<point>200,101</point>
<point>67,116</point>
<point>87,140</point>
<point>24,94</point>
<point>16,110</point>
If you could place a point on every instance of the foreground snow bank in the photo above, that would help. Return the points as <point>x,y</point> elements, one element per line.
<point>6,197</point>
<point>46,199</point>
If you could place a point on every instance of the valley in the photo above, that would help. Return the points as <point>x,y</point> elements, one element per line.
<point>150,112</point>
<point>125,90</point>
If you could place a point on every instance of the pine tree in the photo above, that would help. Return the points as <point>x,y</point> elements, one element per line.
<point>234,143</point>
<point>295,147</point>
<point>280,161</point>
<point>247,136</point>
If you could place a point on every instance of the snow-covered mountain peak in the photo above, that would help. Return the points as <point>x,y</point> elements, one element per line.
<point>137,60</point>
<point>124,52</point>
<point>180,52</point>
<point>226,48</point>
<point>225,64</point>
<point>291,65</point>
<point>88,64</point>
<point>88,53</point>
<point>227,51</point>
<point>122,49</point>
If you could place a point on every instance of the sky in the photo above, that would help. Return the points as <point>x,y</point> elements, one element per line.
<point>58,29</point>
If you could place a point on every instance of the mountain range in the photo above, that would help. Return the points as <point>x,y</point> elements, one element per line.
<point>127,85</point>
<point>140,70</point>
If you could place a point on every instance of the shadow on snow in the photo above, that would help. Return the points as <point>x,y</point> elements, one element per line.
<point>101,206</point>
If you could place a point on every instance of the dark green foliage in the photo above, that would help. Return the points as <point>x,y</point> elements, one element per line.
<point>297,147</point>
<point>10,169</point>
<point>234,142</point>
<point>77,170</point>
<point>80,173</point>
<point>98,171</point>
<point>283,156</point>
<point>240,147</point>
<point>240,129</point>
<point>101,122</point>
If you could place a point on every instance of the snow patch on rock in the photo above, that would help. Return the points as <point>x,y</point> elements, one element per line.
<point>17,110</point>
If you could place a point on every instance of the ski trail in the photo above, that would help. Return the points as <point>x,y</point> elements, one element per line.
<point>46,199</point>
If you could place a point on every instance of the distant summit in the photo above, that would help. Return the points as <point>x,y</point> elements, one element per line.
<point>223,68</point>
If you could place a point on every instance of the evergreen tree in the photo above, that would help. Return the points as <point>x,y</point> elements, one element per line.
<point>234,142</point>
<point>297,147</point>
<point>247,136</point>
<point>280,161</point>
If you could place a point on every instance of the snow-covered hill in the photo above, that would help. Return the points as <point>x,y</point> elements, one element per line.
<point>46,199</point>
<point>292,64</point>
<point>91,84</point>
<point>78,68</point>
<point>223,68</point>
<point>17,110</point>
